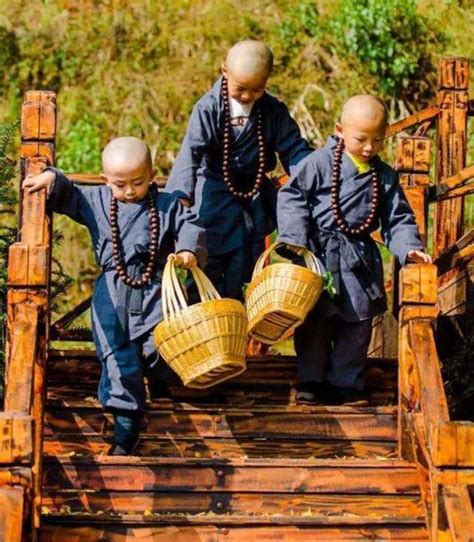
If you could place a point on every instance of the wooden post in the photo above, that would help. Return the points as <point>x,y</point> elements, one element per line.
<point>29,272</point>
<point>418,302</point>
<point>453,84</point>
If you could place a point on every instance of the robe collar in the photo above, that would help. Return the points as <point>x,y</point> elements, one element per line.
<point>348,168</point>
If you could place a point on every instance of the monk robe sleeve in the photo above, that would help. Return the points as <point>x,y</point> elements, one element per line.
<point>182,180</point>
<point>189,234</point>
<point>399,229</point>
<point>290,145</point>
<point>293,211</point>
<point>68,199</point>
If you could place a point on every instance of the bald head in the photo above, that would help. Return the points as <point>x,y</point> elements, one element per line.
<point>126,153</point>
<point>250,58</point>
<point>364,108</point>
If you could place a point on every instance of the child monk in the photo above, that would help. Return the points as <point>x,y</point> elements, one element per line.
<point>233,136</point>
<point>336,198</point>
<point>133,229</point>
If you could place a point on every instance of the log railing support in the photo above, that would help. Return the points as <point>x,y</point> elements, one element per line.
<point>29,269</point>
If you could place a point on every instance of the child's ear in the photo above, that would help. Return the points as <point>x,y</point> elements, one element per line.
<point>224,69</point>
<point>339,130</point>
<point>153,174</point>
<point>104,178</point>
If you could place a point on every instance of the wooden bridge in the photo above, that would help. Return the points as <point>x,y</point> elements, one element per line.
<point>243,461</point>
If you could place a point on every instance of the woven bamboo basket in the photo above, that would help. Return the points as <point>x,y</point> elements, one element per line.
<point>203,343</point>
<point>280,295</point>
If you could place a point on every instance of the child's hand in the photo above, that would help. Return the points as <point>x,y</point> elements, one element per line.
<point>186,202</point>
<point>296,250</point>
<point>33,183</point>
<point>418,256</point>
<point>185,259</point>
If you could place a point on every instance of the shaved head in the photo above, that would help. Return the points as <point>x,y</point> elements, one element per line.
<point>364,108</point>
<point>125,153</point>
<point>250,58</point>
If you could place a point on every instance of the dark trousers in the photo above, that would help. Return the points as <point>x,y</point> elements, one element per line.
<point>122,385</point>
<point>332,349</point>
<point>229,272</point>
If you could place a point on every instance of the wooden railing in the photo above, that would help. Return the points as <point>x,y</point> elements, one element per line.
<point>29,265</point>
<point>442,449</point>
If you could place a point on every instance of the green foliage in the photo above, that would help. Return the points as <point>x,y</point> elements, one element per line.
<point>301,20</point>
<point>390,39</point>
<point>82,153</point>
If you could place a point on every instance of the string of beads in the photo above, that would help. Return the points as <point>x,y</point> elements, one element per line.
<point>117,245</point>
<point>335,203</point>
<point>227,141</point>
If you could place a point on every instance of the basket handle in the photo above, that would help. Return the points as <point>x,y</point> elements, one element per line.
<point>310,259</point>
<point>173,298</point>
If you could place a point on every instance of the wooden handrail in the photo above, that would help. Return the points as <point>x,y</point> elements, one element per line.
<point>29,270</point>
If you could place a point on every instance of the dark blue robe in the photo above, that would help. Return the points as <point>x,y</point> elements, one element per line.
<point>120,313</point>
<point>305,219</point>
<point>197,171</point>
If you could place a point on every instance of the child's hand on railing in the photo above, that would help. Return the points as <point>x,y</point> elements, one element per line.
<point>418,256</point>
<point>185,259</point>
<point>33,183</point>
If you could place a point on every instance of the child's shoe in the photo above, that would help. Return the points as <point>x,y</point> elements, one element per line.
<point>346,396</point>
<point>310,393</point>
<point>126,432</point>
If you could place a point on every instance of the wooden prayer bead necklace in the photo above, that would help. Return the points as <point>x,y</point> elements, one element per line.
<point>335,204</point>
<point>226,174</point>
<point>117,248</point>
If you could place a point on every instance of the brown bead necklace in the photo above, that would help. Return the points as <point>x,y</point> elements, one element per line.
<point>226,174</point>
<point>335,203</point>
<point>117,248</point>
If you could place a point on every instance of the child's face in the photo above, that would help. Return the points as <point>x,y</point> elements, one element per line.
<point>244,88</point>
<point>129,182</point>
<point>363,138</point>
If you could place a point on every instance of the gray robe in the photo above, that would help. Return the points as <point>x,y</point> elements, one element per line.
<point>197,171</point>
<point>305,219</point>
<point>121,313</point>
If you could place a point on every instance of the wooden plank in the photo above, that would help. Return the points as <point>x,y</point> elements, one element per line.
<point>238,507</point>
<point>421,116</point>
<point>453,444</point>
<point>452,295</point>
<point>228,476</point>
<point>34,222</point>
<point>95,179</point>
<point>71,315</point>
<point>454,476</point>
<point>450,257</point>
<point>418,284</point>
<point>18,264</point>
<point>211,533</point>
<point>459,513</point>
<point>234,425</point>
<point>432,396</point>
<point>30,149</point>
<point>16,438</point>
<point>75,445</point>
<point>451,156</point>
<point>21,358</point>
<point>38,120</point>
<point>11,514</point>
<point>413,154</point>
<point>15,476</point>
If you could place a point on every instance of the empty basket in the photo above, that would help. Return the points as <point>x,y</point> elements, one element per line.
<point>203,343</point>
<point>280,295</point>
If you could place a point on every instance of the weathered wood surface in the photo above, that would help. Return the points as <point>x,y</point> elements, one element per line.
<point>16,438</point>
<point>228,508</point>
<point>211,533</point>
<point>12,510</point>
<point>453,444</point>
<point>453,82</point>
<point>459,513</point>
<point>427,114</point>
<point>200,475</point>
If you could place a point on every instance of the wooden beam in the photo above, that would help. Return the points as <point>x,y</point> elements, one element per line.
<point>421,116</point>
<point>453,444</point>
<point>12,510</point>
<point>453,84</point>
<point>21,359</point>
<point>94,179</point>
<point>458,253</point>
<point>459,513</point>
<point>418,284</point>
<point>16,438</point>
<point>71,315</point>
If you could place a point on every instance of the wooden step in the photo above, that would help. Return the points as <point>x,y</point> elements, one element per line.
<point>351,476</point>
<point>232,423</point>
<point>212,533</point>
<point>171,446</point>
<point>232,508</point>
